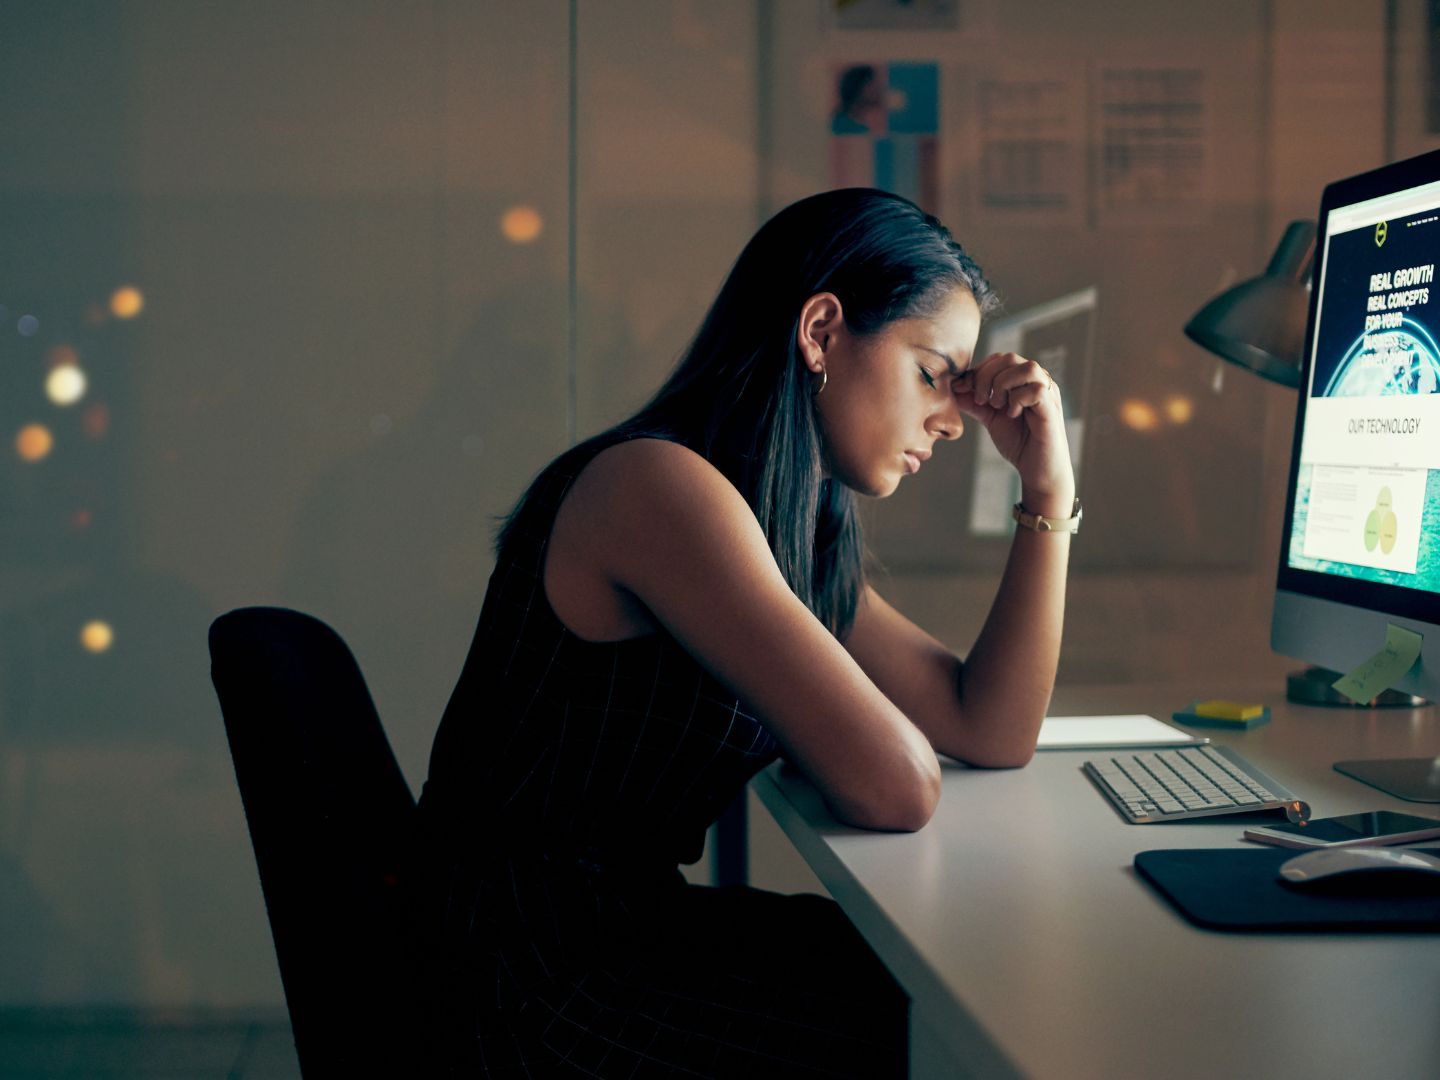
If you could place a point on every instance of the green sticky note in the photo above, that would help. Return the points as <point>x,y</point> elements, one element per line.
<point>1381,670</point>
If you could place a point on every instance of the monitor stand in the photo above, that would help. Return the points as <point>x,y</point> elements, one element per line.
<point>1313,686</point>
<point>1411,779</point>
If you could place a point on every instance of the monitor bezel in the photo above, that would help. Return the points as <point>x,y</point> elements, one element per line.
<point>1378,596</point>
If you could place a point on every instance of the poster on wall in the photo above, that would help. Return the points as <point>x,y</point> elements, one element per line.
<point>1153,155</point>
<point>1030,147</point>
<point>896,14</point>
<point>885,129</point>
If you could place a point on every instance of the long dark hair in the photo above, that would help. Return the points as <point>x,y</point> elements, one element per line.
<point>742,398</point>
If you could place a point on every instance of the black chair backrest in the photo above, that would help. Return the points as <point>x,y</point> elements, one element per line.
<point>330,817</point>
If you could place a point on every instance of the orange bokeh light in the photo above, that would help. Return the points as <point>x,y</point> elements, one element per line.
<point>96,636</point>
<point>1139,415</point>
<point>1179,409</point>
<point>126,302</point>
<point>34,442</point>
<point>521,224</point>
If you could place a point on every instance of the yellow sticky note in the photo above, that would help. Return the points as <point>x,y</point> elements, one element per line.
<point>1227,710</point>
<point>1381,670</point>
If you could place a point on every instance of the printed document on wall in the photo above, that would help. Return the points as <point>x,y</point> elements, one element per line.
<point>1030,141</point>
<point>1153,153</point>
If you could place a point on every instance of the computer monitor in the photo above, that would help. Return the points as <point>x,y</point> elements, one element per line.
<point>1361,544</point>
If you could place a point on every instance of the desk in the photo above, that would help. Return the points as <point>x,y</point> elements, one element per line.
<point>1029,946</point>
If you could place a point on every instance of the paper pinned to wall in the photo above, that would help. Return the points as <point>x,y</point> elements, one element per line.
<point>1153,153</point>
<point>1030,145</point>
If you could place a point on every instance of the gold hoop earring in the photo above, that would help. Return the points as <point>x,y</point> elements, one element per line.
<point>824,378</point>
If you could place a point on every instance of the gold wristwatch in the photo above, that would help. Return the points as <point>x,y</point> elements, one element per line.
<point>1049,524</point>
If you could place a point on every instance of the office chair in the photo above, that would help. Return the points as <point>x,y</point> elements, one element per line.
<point>331,820</point>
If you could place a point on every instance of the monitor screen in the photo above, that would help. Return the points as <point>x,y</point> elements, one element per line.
<point>1363,509</point>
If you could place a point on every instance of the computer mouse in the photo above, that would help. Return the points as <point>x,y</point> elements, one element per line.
<point>1353,867</point>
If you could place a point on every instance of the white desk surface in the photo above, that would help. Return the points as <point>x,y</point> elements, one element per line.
<point>1030,946</point>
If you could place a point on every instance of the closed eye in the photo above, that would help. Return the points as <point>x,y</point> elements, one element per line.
<point>929,379</point>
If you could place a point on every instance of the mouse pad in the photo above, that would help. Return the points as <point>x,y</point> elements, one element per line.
<point>1236,889</point>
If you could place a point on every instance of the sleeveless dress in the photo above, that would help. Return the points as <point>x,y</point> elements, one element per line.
<point>552,930</point>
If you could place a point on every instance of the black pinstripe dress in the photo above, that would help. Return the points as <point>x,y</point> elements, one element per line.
<point>555,935</point>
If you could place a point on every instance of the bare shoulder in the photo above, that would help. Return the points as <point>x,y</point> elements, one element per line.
<point>641,515</point>
<point>638,468</point>
<point>645,495</point>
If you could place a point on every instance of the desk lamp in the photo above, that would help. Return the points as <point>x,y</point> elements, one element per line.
<point>1260,325</point>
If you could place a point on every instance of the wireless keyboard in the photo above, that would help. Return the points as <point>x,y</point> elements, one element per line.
<point>1189,782</point>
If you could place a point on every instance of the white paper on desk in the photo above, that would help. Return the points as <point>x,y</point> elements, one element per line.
<point>1103,732</point>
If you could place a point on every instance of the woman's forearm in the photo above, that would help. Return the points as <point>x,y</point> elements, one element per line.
<point>1009,675</point>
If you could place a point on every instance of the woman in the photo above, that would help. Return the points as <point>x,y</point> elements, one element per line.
<point>678,601</point>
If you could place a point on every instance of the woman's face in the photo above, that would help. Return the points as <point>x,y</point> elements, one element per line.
<point>889,396</point>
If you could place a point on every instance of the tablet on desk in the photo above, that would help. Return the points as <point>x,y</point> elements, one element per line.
<point>1111,732</point>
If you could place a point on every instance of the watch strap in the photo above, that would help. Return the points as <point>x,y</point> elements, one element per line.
<point>1040,523</point>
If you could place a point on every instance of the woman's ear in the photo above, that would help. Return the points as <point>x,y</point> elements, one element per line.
<point>821,321</point>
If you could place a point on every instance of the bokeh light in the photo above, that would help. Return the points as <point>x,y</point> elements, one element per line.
<point>34,442</point>
<point>521,224</point>
<point>1179,409</point>
<point>96,636</point>
<point>81,520</point>
<point>65,385</point>
<point>1139,415</point>
<point>126,302</point>
<point>60,355</point>
<point>96,420</point>
<point>27,325</point>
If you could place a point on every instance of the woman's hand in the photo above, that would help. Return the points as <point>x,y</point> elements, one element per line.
<point>1017,402</point>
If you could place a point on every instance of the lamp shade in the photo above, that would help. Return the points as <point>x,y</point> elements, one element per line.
<point>1260,324</point>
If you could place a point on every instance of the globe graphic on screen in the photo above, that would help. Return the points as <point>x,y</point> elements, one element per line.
<point>1409,365</point>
